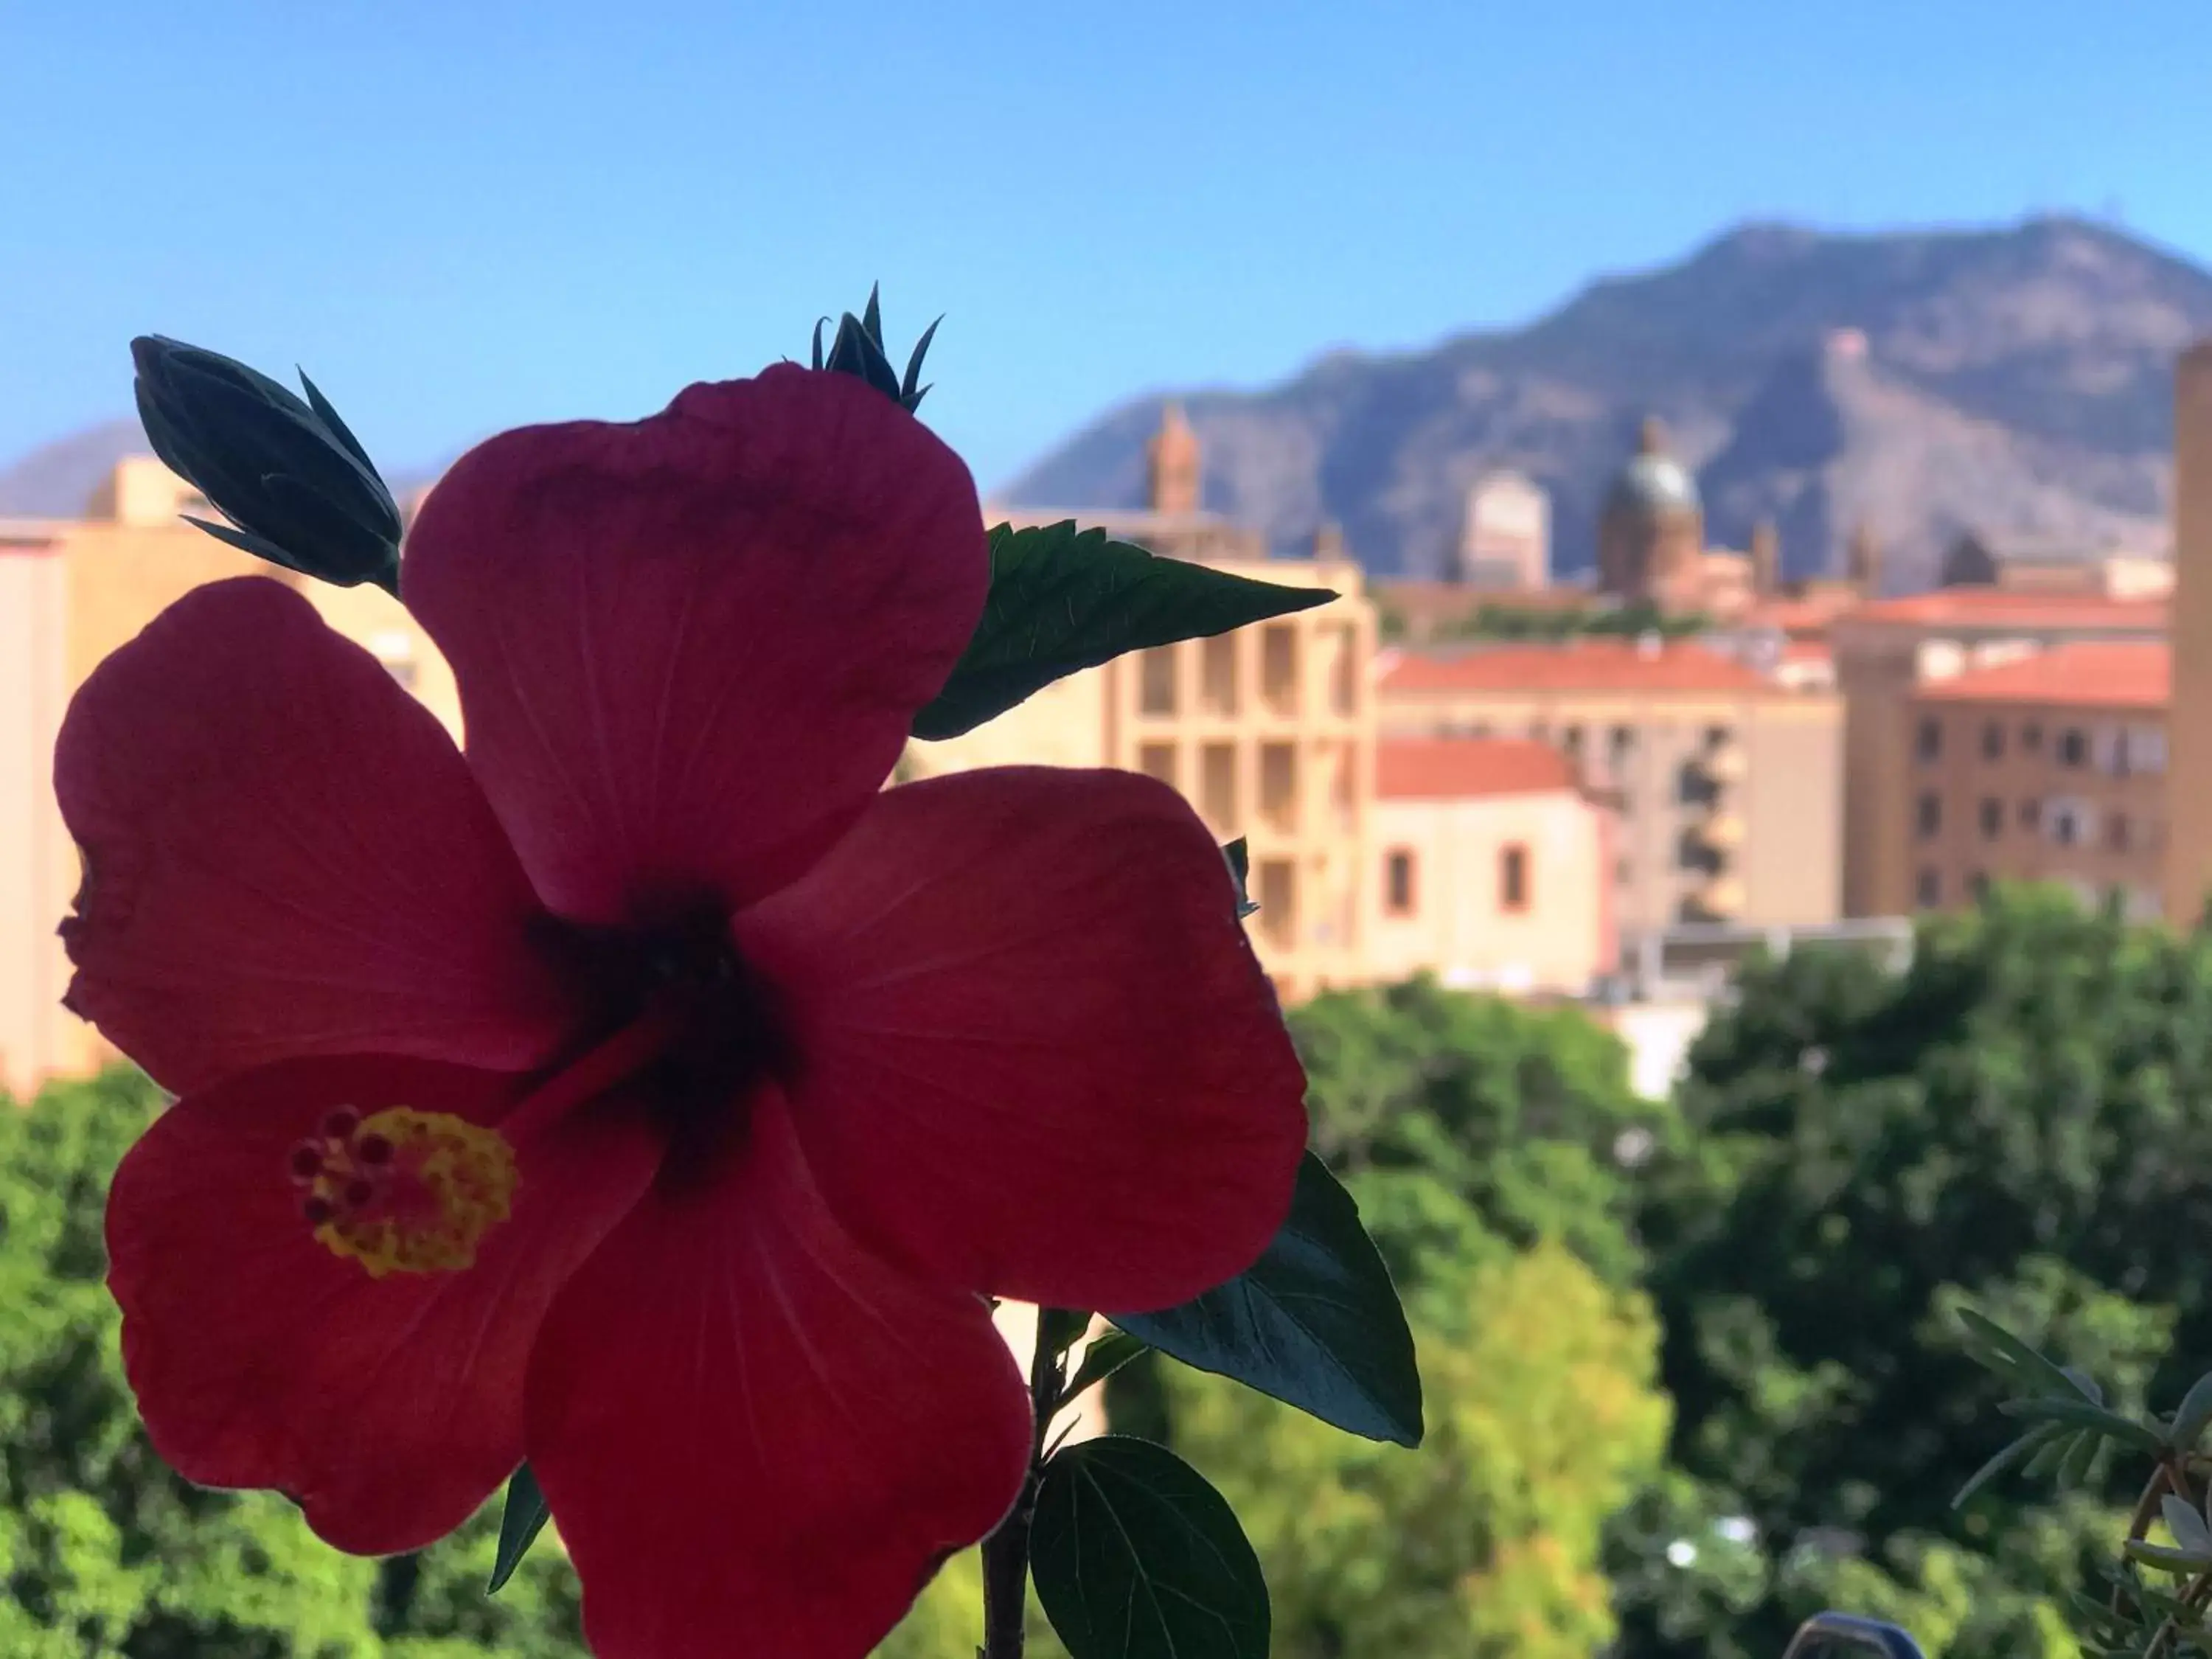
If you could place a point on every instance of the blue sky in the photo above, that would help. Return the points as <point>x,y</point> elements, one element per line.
<point>461,214</point>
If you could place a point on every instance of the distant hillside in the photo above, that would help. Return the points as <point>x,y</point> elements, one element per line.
<point>55,480</point>
<point>2016,381</point>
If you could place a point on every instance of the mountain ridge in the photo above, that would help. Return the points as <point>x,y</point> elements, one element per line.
<point>2014,381</point>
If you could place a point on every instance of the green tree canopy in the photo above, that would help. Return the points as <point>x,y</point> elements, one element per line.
<point>2020,1121</point>
<point>106,1554</point>
<point>1484,1142</point>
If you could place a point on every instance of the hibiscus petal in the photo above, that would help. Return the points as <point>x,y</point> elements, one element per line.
<point>285,855</point>
<point>688,649</point>
<point>388,1407</point>
<point>1038,1056</point>
<point>755,1436</point>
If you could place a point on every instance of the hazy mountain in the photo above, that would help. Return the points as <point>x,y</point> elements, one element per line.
<point>55,480</point>
<point>2016,381</point>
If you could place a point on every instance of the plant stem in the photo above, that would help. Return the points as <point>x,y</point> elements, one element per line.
<point>1006,1551</point>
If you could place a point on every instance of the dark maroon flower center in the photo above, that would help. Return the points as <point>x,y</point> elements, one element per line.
<point>728,1033</point>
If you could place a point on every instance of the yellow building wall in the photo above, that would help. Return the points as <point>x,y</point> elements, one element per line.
<point>372,619</point>
<point>1778,835</point>
<point>2189,856</point>
<point>1268,731</point>
<point>1458,929</point>
<point>38,865</point>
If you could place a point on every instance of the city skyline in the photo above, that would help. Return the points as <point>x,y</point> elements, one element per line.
<point>460,223</point>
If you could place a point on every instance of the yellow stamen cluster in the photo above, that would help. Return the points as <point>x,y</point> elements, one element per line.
<point>403,1190</point>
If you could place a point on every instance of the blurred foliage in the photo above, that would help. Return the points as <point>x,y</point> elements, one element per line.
<point>1694,1371</point>
<point>2019,1122</point>
<point>1484,1142</point>
<point>1543,1419</point>
<point>104,1553</point>
<point>1493,621</point>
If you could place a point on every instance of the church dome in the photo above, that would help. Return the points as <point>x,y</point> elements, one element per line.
<point>1654,482</point>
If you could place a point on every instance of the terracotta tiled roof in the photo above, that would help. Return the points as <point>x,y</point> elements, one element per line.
<point>1586,664</point>
<point>1808,650</point>
<point>1454,768</point>
<point>2000,607</point>
<point>1559,596</point>
<point>2084,673</point>
<point>1798,617</point>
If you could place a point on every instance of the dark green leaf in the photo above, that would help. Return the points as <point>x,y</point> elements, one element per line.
<point>520,1522</point>
<point>1063,599</point>
<point>910,393</point>
<point>2049,1455</point>
<point>338,429</point>
<point>1059,1328</point>
<point>2194,1411</point>
<point>854,353</point>
<point>240,540</point>
<point>1105,1356</point>
<point>2013,1452</point>
<point>2165,1560</point>
<point>2002,1351</point>
<point>2186,1524</point>
<point>2080,1414</point>
<point>2081,1459</point>
<point>1240,868</point>
<point>1136,1556</point>
<point>1314,1322</point>
<point>872,321</point>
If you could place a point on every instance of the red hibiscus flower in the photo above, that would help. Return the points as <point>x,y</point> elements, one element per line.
<point>643,1093</point>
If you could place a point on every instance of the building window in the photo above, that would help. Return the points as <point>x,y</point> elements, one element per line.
<point>2119,833</point>
<point>1717,736</point>
<point>1928,815</point>
<point>1217,786</point>
<point>1157,760</point>
<point>1992,741</point>
<point>1217,675</point>
<point>1398,882</point>
<point>1156,689</point>
<point>1977,887</point>
<point>1278,786</point>
<point>1279,667</point>
<point>1992,818</point>
<point>1623,739</point>
<point>2031,738</point>
<point>1279,902</point>
<point>1929,743</point>
<point>2147,748</point>
<point>2069,823</point>
<point>1928,890</point>
<point>2073,747</point>
<point>1343,677</point>
<point>1513,876</point>
<point>1571,740</point>
<point>2030,813</point>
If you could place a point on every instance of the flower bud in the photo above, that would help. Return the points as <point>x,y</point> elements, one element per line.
<point>858,350</point>
<point>297,487</point>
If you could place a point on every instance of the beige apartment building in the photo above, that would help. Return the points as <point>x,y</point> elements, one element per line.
<point>2051,767</point>
<point>1492,867</point>
<point>71,590</point>
<point>1887,651</point>
<point>2189,854</point>
<point>1270,731</point>
<point>1726,781</point>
